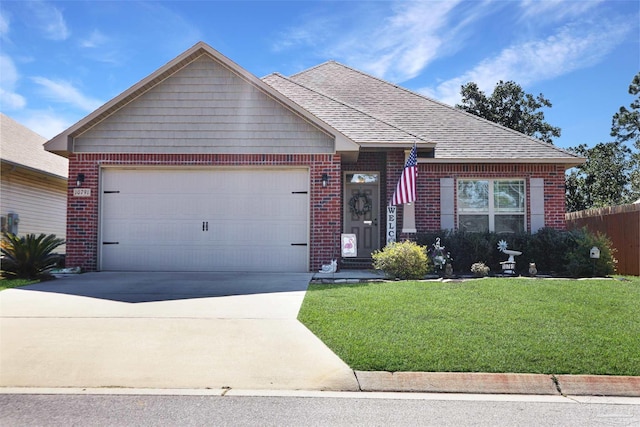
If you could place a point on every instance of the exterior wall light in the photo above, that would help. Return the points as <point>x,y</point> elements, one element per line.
<point>79,179</point>
<point>325,179</point>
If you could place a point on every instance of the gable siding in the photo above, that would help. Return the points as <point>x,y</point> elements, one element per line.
<point>40,202</point>
<point>205,108</point>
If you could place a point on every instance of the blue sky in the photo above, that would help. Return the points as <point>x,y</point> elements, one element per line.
<point>60,60</point>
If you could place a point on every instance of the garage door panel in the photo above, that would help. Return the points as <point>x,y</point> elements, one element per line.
<point>205,220</point>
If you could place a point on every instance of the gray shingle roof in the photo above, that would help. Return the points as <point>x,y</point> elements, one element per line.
<point>360,126</point>
<point>23,147</point>
<point>341,96</point>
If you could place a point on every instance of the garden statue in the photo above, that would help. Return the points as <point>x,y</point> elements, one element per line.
<point>532,269</point>
<point>440,258</point>
<point>508,266</point>
<point>329,268</point>
<point>448,270</point>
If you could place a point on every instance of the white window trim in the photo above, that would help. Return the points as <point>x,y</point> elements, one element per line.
<point>492,212</point>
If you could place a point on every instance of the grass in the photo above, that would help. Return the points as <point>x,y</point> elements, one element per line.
<point>487,325</point>
<point>14,283</point>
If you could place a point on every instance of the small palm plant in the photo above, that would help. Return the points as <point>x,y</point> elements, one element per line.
<point>29,256</point>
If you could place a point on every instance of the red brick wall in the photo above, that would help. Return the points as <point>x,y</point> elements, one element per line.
<point>429,174</point>
<point>83,212</point>
<point>326,202</point>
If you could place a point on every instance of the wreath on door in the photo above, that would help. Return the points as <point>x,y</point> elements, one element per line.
<point>360,204</point>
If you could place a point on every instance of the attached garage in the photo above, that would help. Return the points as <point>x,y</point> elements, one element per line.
<point>204,219</point>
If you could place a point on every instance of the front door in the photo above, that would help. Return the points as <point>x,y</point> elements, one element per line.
<point>361,210</point>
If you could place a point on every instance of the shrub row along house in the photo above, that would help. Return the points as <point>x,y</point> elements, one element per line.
<point>202,166</point>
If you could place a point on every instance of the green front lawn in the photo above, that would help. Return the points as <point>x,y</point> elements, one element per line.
<point>485,325</point>
<point>14,283</point>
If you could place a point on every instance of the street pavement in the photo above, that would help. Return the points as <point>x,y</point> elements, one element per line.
<point>210,331</point>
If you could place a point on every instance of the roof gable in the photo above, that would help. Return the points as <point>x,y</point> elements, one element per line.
<point>165,107</point>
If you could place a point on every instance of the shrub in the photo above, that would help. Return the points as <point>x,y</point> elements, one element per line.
<point>556,252</point>
<point>402,260</point>
<point>29,256</point>
<point>548,248</point>
<point>479,269</point>
<point>578,260</point>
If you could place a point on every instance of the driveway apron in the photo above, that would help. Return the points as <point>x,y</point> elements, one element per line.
<point>165,330</point>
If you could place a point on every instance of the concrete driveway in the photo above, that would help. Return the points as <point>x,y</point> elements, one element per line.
<point>165,330</point>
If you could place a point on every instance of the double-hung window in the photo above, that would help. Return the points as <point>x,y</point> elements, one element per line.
<point>491,205</point>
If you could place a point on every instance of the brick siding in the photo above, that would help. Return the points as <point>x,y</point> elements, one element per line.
<point>326,202</point>
<point>428,188</point>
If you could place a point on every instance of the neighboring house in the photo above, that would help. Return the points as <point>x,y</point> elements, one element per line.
<point>202,166</point>
<point>33,193</point>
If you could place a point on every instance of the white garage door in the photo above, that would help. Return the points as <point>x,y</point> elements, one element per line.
<point>228,219</point>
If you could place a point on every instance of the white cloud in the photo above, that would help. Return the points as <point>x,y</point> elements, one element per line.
<point>394,43</point>
<point>95,39</point>
<point>4,24</point>
<point>9,99</point>
<point>64,92</point>
<point>49,20</point>
<point>570,49</point>
<point>45,122</point>
<point>556,10</point>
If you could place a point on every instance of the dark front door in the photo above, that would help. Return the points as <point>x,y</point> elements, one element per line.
<point>361,210</point>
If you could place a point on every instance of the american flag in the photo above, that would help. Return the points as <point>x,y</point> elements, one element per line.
<point>406,189</point>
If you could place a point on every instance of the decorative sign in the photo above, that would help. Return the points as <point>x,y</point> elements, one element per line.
<point>349,245</point>
<point>82,192</point>
<point>391,223</point>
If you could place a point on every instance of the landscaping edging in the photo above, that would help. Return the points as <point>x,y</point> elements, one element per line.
<point>487,383</point>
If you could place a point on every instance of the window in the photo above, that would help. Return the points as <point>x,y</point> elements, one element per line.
<point>362,178</point>
<point>491,205</point>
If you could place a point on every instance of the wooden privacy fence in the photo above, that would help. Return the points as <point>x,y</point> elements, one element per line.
<point>621,224</point>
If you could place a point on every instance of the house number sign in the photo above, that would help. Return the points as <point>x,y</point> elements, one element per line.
<point>81,192</point>
<point>391,223</point>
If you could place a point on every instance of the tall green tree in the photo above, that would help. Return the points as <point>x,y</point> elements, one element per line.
<point>511,107</point>
<point>625,127</point>
<point>611,175</point>
<point>603,180</point>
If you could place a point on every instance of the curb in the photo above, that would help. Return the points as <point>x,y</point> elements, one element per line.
<point>599,385</point>
<point>485,383</point>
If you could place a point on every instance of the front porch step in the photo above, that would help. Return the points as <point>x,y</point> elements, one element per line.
<point>356,263</point>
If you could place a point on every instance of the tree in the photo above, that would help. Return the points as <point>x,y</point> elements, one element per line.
<point>511,107</point>
<point>625,126</point>
<point>603,180</point>
<point>611,175</point>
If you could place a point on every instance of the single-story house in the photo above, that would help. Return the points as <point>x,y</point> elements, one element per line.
<point>33,192</point>
<point>202,166</point>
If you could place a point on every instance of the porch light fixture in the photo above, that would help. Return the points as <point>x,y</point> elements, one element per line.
<point>325,179</point>
<point>79,179</point>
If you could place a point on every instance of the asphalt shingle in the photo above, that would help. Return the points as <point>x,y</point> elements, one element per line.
<point>368,109</point>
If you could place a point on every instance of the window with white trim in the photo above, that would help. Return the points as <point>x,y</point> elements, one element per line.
<point>491,205</point>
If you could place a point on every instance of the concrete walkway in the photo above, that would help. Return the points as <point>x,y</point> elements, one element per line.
<point>165,330</point>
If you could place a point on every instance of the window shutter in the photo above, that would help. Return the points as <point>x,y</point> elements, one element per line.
<point>447,212</point>
<point>537,203</point>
